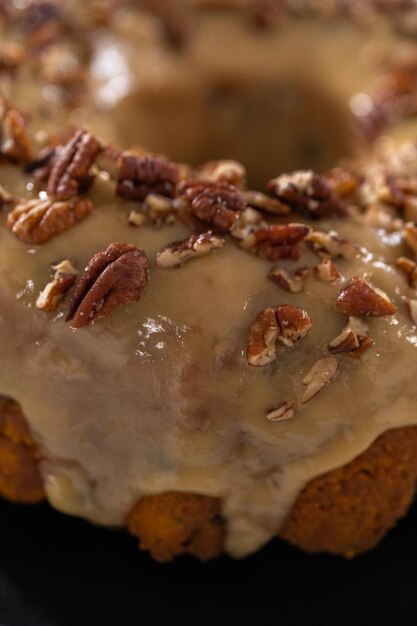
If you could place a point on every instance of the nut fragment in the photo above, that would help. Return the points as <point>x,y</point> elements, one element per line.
<point>293,323</point>
<point>70,173</point>
<point>213,203</point>
<point>330,243</point>
<point>265,203</point>
<point>284,412</point>
<point>276,241</point>
<point>320,374</point>
<point>327,271</point>
<point>308,193</point>
<point>246,223</point>
<point>135,218</point>
<point>360,298</point>
<point>341,181</point>
<point>353,339</point>
<point>63,279</point>
<point>160,210</point>
<point>138,176</point>
<point>286,323</point>
<point>412,309</point>
<point>181,251</point>
<point>285,281</point>
<point>6,198</point>
<point>226,171</point>
<point>409,268</point>
<point>113,277</point>
<point>37,221</point>
<point>263,334</point>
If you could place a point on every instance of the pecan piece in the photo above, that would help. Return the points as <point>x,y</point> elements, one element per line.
<point>213,202</point>
<point>327,271</point>
<point>293,323</point>
<point>360,298</point>
<point>283,413</point>
<point>262,202</point>
<point>308,193</point>
<point>248,220</point>
<point>410,236</point>
<point>276,241</point>
<point>135,218</point>
<point>353,339</point>
<point>37,221</point>
<point>138,176</point>
<point>341,181</point>
<point>409,268</point>
<point>63,279</point>
<point>286,324</point>
<point>182,251</point>
<point>227,171</point>
<point>320,374</point>
<point>285,281</point>
<point>15,143</point>
<point>263,334</point>
<point>160,210</point>
<point>70,170</point>
<point>331,244</point>
<point>113,277</point>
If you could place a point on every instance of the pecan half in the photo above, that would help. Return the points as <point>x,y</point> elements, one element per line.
<point>182,251</point>
<point>409,268</point>
<point>138,176</point>
<point>37,221</point>
<point>293,323</point>
<point>331,244</point>
<point>15,143</point>
<point>353,339</point>
<point>63,279</point>
<point>213,202</point>
<point>70,173</point>
<point>276,241</point>
<point>283,413</point>
<point>113,277</point>
<point>360,298</point>
<point>327,271</point>
<point>308,193</point>
<point>320,374</point>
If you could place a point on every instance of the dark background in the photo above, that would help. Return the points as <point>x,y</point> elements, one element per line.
<point>59,571</point>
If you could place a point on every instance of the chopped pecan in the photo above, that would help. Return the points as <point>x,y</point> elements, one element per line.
<point>263,334</point>
<point>248,220</point>
<point>308,193</point>
<point>181,251</point>
<point>113,277</point>
<point>409,268</point>
<point>15,143</point>
<point>135,218</point>
<point>286,323</point>
<point>227,171</point>
<point>293,323</point>
<point>327,271</point>
<point>161,210</point>
<point>138,176</point>
<point>353,339</point>
<point>63,279</point>
<point>380,216</point>
<point>262,202</point>
<point>360,298</point>
<point>320,374</point>
<point>11,56</point>
<point>285,281</point>
<point>412,310</point>
<point>213,202</point>
<point>276,241</point>
<point>284,412</point>
<point>37,221</point>
<point>410,236</point>
<point>70,173</point>
<point>331,244</point>
<point>341,181</point>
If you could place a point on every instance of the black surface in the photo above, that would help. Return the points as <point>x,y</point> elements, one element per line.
<point>58,571</point>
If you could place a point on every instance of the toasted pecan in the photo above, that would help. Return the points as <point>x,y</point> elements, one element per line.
<point>138,176</point>
<point>360,298</point>
<point>215,203</point>
<point>181,251</point>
